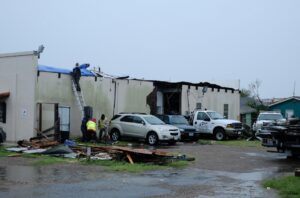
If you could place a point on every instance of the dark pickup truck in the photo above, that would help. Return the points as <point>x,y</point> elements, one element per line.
<point>187,131</point>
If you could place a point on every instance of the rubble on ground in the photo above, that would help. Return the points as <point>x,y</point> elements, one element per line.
<point>38,143</point>
<point>95,152</point>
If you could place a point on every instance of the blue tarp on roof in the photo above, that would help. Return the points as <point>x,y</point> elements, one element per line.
<point>83,69</point>
<point>45,68</point>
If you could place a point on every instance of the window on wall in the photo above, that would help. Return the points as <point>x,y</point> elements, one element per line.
<point>226,111</point>
<point>3,112</point>
<point>64,115</point>
<point>198,105</point>
<point>289,113</point>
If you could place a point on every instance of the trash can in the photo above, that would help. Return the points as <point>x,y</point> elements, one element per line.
<point>88,111</point>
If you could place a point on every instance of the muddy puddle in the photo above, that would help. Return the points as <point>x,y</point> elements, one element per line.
<point>31,181</point>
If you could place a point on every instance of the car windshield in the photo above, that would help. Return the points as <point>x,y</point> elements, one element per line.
<point>214,115</point>
<point>178,120</point>
<point>270,116</point>
<point>153,120</point>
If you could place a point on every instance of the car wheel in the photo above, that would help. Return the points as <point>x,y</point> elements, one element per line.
<point>219,134</point>
<point>152,138</point>
<point>115,135</point>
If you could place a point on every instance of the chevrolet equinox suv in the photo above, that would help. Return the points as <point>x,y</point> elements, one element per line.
<point>142,126</point>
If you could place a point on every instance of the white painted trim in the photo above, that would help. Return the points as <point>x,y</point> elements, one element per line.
<point>28,53</point>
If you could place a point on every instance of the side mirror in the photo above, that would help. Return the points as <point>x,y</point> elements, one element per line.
<point>143,123</point>
<point>207,119</point>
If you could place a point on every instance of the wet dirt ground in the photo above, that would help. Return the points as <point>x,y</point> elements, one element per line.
<point>218,171</point>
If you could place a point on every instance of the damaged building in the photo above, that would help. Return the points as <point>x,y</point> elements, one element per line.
<point>35,98</point>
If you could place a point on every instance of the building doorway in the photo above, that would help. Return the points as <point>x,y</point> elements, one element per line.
<point>172,103</point>
<point>53,121</point>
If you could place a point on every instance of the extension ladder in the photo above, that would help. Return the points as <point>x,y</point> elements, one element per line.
<point>79,98</point>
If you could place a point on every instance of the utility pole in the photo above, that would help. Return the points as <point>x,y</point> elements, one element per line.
<point>294,88</point>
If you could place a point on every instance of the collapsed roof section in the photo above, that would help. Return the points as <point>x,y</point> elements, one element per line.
<point>163,84</point>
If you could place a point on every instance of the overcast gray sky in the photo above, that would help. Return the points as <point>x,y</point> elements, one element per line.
<point>177,40</point>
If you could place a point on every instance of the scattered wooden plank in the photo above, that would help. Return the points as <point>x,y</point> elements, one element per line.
<point>131,154</point>
<point>129,158</point>
<point>42,143</point>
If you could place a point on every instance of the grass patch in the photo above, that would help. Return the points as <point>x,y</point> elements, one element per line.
<point>4,153</point>
<point>204,142</point>
<point>42,160</point>
<point>240,143</point>
<point>288,187</point>
<point>136,167</point>
<point>178,164</point>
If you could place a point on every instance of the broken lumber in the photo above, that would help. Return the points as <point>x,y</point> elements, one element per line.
<point>129,158</point>
<point>42,143</point>
<point>130,154</point>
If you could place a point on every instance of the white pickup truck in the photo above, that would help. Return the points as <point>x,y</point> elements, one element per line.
<point>211,122</point>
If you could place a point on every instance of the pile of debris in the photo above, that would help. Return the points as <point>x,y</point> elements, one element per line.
<point>131,155</point>
<point>35,145</point>
<point>38,143</point>
<point>72,150</point>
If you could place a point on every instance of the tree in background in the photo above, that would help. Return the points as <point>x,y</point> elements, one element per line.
<point>245,93</point>
<point>253,92</point>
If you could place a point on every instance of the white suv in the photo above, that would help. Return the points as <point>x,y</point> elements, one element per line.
<point>142,126</point>
<point>265,118</point>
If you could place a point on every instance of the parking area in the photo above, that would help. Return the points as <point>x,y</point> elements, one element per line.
<point>218,171</point>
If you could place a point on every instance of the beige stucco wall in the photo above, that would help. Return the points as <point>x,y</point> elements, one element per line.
<point>18,76</point>
<point>130,96</point>
<point>211,100</point>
